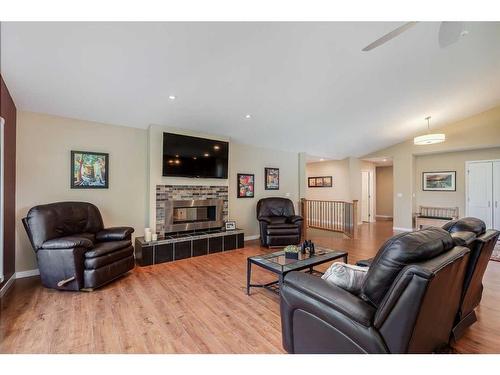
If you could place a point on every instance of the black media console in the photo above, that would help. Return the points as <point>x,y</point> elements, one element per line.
<point>185,245</point>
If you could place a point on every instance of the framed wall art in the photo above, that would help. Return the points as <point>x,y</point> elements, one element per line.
<point>89,170</point>
<point>272,180</point>
<point>439,181</point>
<point>323,181</point>
<point>246,185</point>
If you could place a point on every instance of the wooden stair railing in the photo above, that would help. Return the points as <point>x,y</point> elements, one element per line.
<point>335,216</point>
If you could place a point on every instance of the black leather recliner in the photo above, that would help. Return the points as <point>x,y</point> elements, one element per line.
<point>407,304</point>
<point>279,226</point>
<point>73,249</point>
<point>471,232</point>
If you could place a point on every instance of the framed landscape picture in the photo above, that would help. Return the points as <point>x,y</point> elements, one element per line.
<point>89,170</point>
<point>272,178</point>
<point>246,185</point>
<point>439,181</point>
<point>324,181</point>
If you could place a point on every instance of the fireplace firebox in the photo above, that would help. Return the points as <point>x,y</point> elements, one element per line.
<point>193,214</point>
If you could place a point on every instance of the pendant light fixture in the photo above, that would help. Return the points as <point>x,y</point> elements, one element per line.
<point>429,139</point>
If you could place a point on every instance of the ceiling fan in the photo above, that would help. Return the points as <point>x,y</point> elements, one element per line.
<point>449,33</point>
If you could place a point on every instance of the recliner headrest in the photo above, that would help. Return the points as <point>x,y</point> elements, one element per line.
<point>466,224</point>
<point>275,206</point>
<point>397,253</point>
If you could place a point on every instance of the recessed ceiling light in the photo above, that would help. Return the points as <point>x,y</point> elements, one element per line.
<point>321,159</point>
<point>177,155</point>
<point>194,157</point>
<point>172,97</point>
<point>206,154</point>
<point>248,116</point>
<point>216,147</point>
<point>177,161</point>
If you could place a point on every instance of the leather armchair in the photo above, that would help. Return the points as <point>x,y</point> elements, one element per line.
<point>400,306</point>
<point>279,226</point>
<point>73,249</point>
<point>471,232</point>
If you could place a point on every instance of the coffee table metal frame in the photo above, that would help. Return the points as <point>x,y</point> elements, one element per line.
<point>322,256</point>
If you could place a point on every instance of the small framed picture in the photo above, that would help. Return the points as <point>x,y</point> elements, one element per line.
<point>89,170</point>
<point>230,225</point>
<point>323,181</point>
<point>272,178</point>
<point>246,185</point>
<point>439,181</point>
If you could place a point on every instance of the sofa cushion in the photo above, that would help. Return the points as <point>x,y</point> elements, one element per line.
<point>103,248</point>
<point>466,224</point>
<point>282,229</point>
<point>67,242</point>
<point>398,252</point>
<point>100,261</point>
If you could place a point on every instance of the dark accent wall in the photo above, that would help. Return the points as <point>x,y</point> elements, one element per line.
<point>8,112</point>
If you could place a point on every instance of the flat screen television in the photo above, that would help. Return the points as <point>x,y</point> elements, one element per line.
<point>185,156</point>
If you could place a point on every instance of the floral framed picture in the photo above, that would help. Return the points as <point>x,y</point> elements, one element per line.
<point>89,170</point>
<point>439,181</point>
<point>272,178</point>
<point>246,185</point>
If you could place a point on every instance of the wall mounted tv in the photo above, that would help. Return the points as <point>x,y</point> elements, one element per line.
<point>185,156</point>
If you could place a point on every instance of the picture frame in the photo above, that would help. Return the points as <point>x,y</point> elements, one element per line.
<point>89,170</point>
<point>230,225</point>
<point>246,185</point>
<point>439,181</point>
<point>272,178</point>
<point>320,182</point>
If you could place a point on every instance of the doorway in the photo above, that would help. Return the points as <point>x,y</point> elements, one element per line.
<point>367,187</point>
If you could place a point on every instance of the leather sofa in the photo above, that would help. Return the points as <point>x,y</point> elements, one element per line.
<point>279,226</point>
<point>407,303</point>
<point>472,232</point>
<point>73,249</point>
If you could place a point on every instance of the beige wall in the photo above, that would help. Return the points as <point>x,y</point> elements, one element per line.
<point>44,143</point>
<point>476,132</point>
<point>450,161</point>
<point>384,191</point>
<point>242,159</point>
<point>339,170</point>
<point>249,159</point>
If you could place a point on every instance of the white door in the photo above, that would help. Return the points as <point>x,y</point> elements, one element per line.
<point>496,195</point>
<point>480,191</point>
<point>365,196</point>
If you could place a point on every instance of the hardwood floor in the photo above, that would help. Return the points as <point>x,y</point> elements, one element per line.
<point>197,305</point>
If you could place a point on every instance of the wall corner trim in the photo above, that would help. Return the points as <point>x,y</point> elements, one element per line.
<point>28,273</point>
<point>400,229</point>
<point>253,237</point>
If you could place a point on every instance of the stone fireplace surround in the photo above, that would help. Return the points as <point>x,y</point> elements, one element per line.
<point>186,192</point>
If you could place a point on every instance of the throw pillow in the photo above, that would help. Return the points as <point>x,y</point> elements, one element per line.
<point>346,276</point>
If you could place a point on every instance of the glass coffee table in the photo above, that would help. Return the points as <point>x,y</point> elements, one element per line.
<point>278,264</point>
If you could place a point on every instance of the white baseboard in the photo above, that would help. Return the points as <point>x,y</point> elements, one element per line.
<point>28,273</point>
<point>254,237</point>
<point>7,285</point>
<point>403,229</point>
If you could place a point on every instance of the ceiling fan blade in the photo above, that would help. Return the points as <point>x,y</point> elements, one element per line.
<point>394,33</point>
<point>450,32</point>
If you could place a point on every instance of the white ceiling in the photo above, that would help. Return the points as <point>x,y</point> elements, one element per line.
<point>307,86</point>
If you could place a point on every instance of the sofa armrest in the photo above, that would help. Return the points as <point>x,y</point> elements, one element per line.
<point>295,219</point>
<point>264,219</point>
<point>332,296</point>
<point>67,242</point>
<point>114,234</point>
